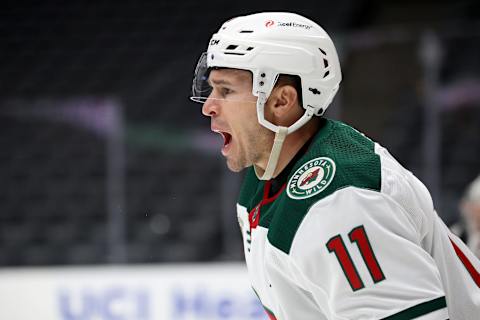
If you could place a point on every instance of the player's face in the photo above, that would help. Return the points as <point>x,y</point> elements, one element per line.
<point>232,109</point>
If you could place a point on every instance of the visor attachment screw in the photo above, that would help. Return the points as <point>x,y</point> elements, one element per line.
<point>261,83</point>
<point>262,75</point>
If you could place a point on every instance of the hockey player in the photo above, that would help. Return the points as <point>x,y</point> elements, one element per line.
<point>333,226</point>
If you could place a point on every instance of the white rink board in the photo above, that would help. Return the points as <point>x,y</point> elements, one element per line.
<point>155,292</point>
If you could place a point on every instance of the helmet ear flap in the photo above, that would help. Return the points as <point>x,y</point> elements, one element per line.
<point>263,81</point>
<point>318,94</point>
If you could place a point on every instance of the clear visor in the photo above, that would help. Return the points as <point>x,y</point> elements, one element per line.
<point>203,91</point>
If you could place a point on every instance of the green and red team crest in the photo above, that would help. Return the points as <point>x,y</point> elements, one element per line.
<point>311,178</point>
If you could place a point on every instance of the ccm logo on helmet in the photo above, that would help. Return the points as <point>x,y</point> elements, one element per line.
<point>214,42</point>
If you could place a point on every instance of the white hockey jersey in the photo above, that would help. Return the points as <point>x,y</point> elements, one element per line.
<point>353,235</point>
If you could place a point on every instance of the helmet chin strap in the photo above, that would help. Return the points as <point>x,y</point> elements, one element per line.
<point>280,135</point>
<point>274,155</point>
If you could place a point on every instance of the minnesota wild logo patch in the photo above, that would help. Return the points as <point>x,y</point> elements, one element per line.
<point>311,178</point>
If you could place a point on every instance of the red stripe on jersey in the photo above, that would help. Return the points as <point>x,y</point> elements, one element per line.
<point>266,192</point>
<point>270,314</point>
<point>254,215</point>
<point>468,265</point>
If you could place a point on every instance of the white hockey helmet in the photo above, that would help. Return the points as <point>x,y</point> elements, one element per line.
<point>270,44</point>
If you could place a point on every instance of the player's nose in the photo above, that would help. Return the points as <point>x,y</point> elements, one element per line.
<point>210,108</point>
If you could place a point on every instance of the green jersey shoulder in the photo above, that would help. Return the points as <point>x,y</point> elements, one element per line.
<point>338,157</point>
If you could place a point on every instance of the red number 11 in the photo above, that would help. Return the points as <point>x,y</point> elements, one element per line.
<point>359,237</point>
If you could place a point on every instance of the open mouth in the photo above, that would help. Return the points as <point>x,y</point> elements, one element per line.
<point>227,137</point>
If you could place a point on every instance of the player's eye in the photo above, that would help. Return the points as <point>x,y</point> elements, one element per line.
<point>225,91</point>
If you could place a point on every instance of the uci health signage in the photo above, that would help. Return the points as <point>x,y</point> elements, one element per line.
<point>183,292</point>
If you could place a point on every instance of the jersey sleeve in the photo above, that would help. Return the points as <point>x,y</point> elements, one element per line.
<point>361,251</point>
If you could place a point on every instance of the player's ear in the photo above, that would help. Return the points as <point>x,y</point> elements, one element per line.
<point>282,101</point>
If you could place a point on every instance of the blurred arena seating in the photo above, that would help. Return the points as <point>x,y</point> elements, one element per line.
<point>53,175</point>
